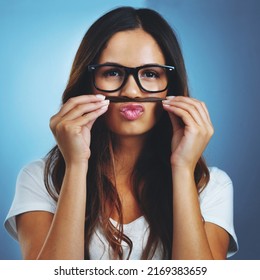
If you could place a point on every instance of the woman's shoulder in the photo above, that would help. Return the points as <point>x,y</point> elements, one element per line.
<point>216,203</point>
<point>32,170</point>
<point>218,175</point>
<point>30,194</point>
<point>219,178</point>
<point>31,177</point>
<point>35,165</point>
<point>219,183</point>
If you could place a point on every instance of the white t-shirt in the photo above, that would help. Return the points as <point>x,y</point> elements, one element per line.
<point>216,203</point>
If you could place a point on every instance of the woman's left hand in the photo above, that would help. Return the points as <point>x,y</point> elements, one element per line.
<point>192,130</point>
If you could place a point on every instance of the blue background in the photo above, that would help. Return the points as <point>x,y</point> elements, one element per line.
<point>221,46</point>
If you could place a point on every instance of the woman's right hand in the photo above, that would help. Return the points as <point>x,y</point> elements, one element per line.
<point>71,126</point>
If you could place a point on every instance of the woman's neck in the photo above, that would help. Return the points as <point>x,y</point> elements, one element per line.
<point>127,150</point>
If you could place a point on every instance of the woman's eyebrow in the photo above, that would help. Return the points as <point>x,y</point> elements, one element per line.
<point>118,99</point>
<point>111,63</point>
<point>119,64</point>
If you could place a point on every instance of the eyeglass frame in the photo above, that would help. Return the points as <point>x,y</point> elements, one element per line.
<point>128,71</point>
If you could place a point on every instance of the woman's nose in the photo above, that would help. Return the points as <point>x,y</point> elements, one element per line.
<point>131,88</point>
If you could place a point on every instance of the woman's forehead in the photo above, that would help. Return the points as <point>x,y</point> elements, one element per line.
<point>132,48</point>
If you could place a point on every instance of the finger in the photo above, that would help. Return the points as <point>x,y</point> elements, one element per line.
<point>75,101</point>
<point>202,106</point>
<point>85,120</point>
<point>76,112</point>
<point>206,129</point>
<point>181,113</point>
<point>90,118</point>
<point>198,105</point>
<point>83,109</point>
<point>190,109</point>
<point>206,111</point>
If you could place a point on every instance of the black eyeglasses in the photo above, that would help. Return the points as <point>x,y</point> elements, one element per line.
<point>111,77</point>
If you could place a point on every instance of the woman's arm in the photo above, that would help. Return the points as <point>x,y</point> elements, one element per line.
<point>43,235</point>
<point>61,236</point>
<point>192,238</point>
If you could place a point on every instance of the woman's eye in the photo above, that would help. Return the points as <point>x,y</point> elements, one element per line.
<point>112,73</point>
<point>150,75</point>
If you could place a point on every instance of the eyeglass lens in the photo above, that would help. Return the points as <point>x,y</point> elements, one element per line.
<point>111,78</point>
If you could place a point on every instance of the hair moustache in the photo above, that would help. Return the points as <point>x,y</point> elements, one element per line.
<point>119,99</point>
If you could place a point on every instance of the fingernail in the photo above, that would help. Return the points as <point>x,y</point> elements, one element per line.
<point>100,96</point>
<point>170,97</point>
<point>105,102</point>
<point>167,101</point>
<point>104,107</point>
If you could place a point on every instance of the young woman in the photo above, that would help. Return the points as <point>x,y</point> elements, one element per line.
<point>127,179</point>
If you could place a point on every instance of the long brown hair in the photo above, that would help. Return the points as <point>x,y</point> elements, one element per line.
<point>151,178</point>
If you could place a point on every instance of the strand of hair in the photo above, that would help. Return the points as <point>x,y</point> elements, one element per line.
<point>117,99</point>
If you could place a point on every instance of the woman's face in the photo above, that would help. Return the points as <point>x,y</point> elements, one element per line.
<point>132,49</point>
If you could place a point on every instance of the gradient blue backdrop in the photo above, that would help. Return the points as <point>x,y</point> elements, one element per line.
<point>221,46</point>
